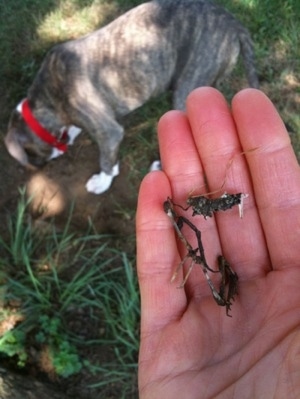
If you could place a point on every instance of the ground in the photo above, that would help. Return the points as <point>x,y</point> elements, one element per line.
<point>62,182</point>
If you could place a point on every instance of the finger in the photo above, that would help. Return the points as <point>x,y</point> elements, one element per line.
<point>275,174</point>
<point>181,163</point>
<point>179,156</point>
<point>215,135</point>
<point>157,255</point>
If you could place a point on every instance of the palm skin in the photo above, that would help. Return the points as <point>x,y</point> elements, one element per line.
<point>189,348</point>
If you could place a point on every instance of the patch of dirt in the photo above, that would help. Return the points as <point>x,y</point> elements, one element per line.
<point>60,185</point>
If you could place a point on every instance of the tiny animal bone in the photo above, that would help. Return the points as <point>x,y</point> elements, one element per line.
<point>229,279</point>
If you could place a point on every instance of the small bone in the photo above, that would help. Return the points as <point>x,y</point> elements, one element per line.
<point>241,205</point>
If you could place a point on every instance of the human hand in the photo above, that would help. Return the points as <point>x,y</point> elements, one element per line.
<point>189,348</point>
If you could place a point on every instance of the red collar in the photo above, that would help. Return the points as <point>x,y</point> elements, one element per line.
<point>59,143</point>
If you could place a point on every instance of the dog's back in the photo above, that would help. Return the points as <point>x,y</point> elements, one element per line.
<point>185,43</point>
<point>178,44</point>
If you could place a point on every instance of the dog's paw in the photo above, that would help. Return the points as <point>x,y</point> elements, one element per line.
<point>55,153</point>
<point>101,182</point>
<point>73,132</point>
<point>156,165</point>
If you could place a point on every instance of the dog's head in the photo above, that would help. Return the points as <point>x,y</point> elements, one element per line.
<point>25,145</point>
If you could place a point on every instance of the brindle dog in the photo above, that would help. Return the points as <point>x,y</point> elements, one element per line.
<point>93,81</point>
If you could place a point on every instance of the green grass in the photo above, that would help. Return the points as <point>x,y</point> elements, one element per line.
<point>47,277</point>
<point>274,26</point>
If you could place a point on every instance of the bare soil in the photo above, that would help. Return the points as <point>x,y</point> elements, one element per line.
<point>61,183</point>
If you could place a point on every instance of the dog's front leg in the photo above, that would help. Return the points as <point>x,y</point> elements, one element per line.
<point>109,146</point>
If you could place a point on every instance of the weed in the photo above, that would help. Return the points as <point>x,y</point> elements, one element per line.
<point>121,307</point>
<point>12,343</point>
<point>46,278</point>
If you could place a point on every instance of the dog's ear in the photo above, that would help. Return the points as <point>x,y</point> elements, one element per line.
<point>18,138</point>
<point>15,142</point>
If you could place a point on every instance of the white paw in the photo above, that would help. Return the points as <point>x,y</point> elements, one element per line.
<point>156,165</point>
<point>55,153</point>
<point>19,106</point>
<point>73,132</point>
<point>101,182</point>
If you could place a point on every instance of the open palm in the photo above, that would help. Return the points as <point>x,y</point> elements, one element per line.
<point>189,347</point>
